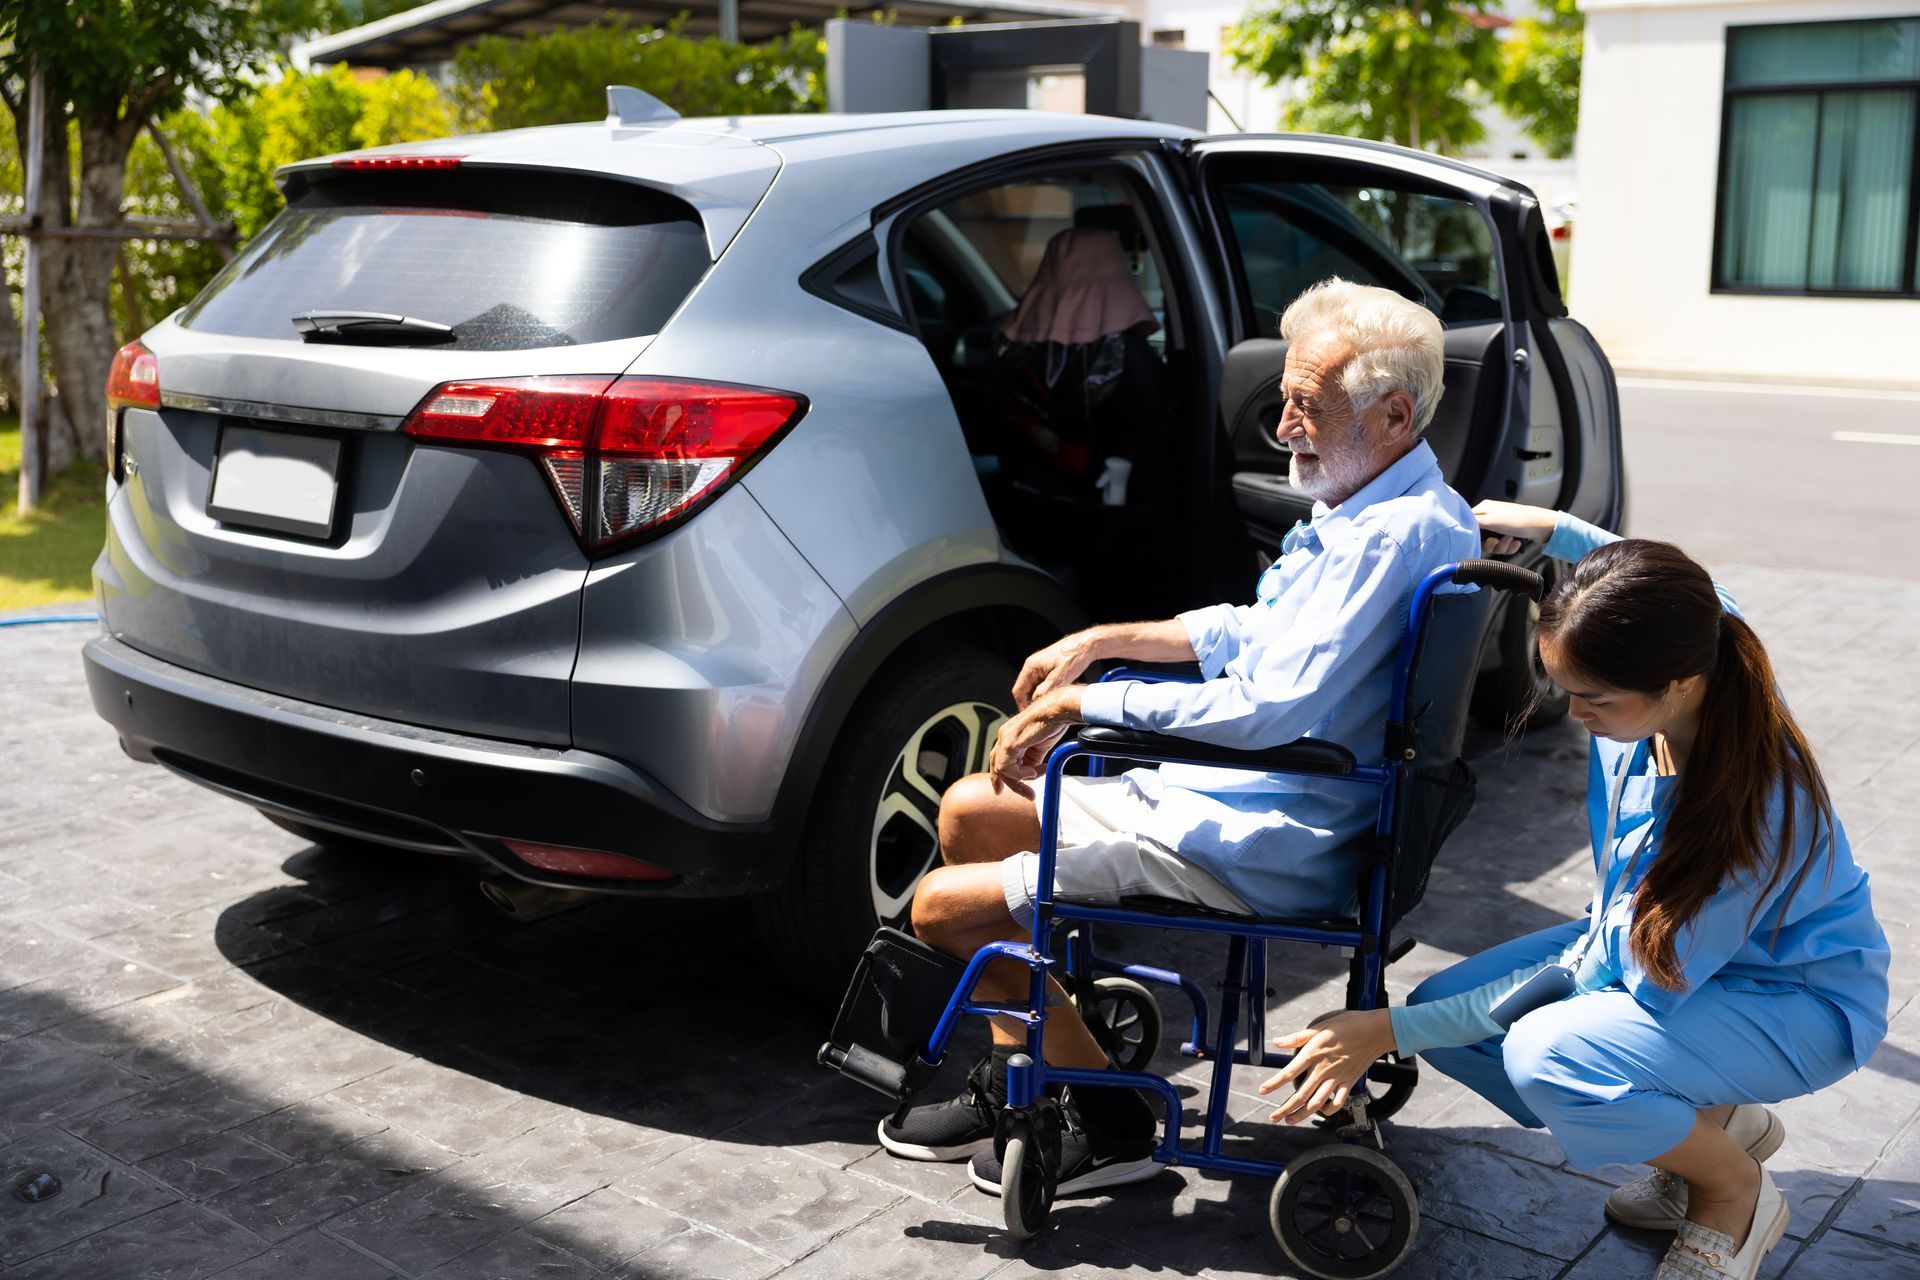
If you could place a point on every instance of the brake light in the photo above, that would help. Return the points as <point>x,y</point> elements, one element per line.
<point>626,457</point>
<point>132,383</point>
<point>398,162</point>
<point>1562,232</point>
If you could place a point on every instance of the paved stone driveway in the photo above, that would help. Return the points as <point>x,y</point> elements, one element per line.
<point>249,1057</point>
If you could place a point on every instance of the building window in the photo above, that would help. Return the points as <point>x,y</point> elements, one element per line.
<point>1819,173</point>
<point>1171,38</point>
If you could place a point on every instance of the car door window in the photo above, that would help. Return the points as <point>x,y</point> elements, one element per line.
<point>1290,235</point>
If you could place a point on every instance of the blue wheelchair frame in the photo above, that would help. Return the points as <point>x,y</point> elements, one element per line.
<point>1028,1080</point>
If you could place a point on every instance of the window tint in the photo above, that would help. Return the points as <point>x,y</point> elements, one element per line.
<point>509,264</point>
<point>1291,235</point>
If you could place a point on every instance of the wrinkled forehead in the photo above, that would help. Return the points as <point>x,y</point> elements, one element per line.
<point>1316,358</point>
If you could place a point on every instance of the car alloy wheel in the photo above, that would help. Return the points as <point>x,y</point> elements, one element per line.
<point>953,742</point>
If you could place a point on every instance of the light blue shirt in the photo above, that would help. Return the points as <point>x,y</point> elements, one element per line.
<point>1312,657</point>
<point>1820,936</point>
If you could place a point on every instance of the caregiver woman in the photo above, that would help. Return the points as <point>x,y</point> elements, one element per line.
<point>1736,960</point>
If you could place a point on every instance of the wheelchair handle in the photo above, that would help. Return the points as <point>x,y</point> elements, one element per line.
<point>1500,576</point>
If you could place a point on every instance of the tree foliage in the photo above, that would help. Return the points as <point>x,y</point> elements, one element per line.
<point>1411,73</point>
<point>1540,74</point>
<point>508,82</point>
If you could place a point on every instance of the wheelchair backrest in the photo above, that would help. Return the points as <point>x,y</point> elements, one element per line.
<point>1436,787</point>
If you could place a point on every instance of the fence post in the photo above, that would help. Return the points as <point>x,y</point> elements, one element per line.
<point>31,434</point>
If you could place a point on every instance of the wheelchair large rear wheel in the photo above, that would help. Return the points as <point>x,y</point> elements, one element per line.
<point>1344,1212</point>
<point>1125,1019</point>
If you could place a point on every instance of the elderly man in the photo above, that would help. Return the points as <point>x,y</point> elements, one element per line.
<point>1312,656</point>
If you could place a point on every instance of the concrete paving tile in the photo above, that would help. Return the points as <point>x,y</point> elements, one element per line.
<point>517,1256</point>
<point>1499,1195</point>
<point>311,1255</point>
<point>308,1129</point>
<point>1072,1254</point>
<point>570,1155</point>
<point>194,943</point>
<point>783,1204</point>
<point>158,1120</point>
<point>42,1078</point>
<point>98,984</point>
<point>436,1219</point>
<point>303,1195</point>
<point>459,1111</point>
<point>1846,1126</point>
<point>607,1227</point>
<point>1887,1204</point>
<point>910,1242</point>
<point>1840,1255</point>
<point>833,1122</point>
<point>699,1254</point>
<point>179,1242</point>
<point>940,1183</point>
<point>201,1170</point>
<point>98,1191</point>
<point>1441,1252</point>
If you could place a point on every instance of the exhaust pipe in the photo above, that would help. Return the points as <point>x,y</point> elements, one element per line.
<point>524,901</point>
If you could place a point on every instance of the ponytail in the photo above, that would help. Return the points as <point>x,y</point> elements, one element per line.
<point>1639,615</point>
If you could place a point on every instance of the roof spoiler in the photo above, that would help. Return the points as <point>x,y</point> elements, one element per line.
<point>629,106</point>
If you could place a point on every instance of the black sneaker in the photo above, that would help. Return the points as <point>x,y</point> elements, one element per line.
<point>1119,1152</point>
<point>954,1129</point>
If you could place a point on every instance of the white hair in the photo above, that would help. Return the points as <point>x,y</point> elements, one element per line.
<point>1397,344</point>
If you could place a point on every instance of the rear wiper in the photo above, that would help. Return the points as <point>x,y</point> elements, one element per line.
<point>371,327</point>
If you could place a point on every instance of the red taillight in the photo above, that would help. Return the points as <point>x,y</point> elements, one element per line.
<point>134,380</point>
<point>626,457</point>
<point>1562,232</point>
<point>568,861</point>
<point>132,383</point>
<point>398,162</point>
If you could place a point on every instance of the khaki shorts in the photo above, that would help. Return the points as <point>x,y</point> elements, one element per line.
<point>1103,858</point>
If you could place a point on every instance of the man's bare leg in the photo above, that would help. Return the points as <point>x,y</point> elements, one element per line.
<point>982,820</point>
<point>960,909</point>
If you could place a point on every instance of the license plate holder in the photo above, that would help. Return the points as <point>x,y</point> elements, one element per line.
<point>278,480</point>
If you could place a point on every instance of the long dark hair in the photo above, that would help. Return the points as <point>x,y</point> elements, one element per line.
<point>1638,615</point>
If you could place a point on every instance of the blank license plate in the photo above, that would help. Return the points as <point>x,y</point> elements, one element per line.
<point>276,480</point>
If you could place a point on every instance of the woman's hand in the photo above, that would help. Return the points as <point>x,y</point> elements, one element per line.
<point>1504,526</point>
<point>1020,750</point>
<point>1060,663</point>
<point>1331,1056</point>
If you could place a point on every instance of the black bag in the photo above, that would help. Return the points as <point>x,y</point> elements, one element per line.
<point>899,990</point>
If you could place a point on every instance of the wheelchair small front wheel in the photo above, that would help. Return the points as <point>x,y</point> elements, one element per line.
<point>1029,1166</point>
<point>1344,1212</point>
<point>1125,1019</point>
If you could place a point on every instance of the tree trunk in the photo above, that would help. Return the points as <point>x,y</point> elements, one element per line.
<point>77,281</point>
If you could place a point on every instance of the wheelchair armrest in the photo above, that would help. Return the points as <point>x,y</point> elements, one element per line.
<point>1307,755</point>
<point>1153,677</point>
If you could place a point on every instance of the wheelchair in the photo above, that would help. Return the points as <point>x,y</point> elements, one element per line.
<point>1341,1210</point>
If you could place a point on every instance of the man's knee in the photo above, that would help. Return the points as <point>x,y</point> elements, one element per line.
<point>953,905</point>
<point>979,821</point>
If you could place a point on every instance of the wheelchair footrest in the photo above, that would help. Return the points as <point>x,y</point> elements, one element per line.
<point>899,990</point>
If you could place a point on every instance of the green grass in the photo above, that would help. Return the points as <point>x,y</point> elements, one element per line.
<point>46,556</point>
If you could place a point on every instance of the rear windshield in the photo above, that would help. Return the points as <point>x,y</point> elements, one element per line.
<point>510,260</point>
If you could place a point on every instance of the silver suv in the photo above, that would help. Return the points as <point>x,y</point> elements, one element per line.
<point>654,508</point>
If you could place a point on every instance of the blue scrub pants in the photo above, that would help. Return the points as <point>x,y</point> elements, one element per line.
<point>1616,1083</point>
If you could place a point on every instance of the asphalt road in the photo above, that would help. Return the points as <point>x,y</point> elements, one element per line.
<point>1755,474</point>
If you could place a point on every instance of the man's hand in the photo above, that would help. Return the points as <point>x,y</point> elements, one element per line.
<point>1020,751</point>
<point>1060,663</point>
<point>1506,526</point>
<point>1332,1054</point>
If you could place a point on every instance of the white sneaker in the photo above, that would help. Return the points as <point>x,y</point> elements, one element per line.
<point>1700,1253</point>
<point>1658,1202</point>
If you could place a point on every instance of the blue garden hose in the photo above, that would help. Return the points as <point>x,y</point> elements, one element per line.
<point>55,617</point>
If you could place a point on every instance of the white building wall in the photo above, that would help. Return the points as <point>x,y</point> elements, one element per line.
<point>1649,148</point>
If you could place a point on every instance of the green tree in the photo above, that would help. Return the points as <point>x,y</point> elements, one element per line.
<point>109,68</point>
<point>1412,73</point>
<point>511,82</point>
<point>1540,75</point>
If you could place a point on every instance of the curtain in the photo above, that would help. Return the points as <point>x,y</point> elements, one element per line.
<point>1860,192</point>
<point>1765,212</point>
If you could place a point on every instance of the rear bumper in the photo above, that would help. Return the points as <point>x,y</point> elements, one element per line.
<point>420,788</point>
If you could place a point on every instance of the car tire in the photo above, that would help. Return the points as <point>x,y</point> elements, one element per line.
<point>926,720</point>
<point>1516,694</point>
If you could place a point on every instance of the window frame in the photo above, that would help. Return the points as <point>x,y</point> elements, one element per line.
<point>1909,288</point>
